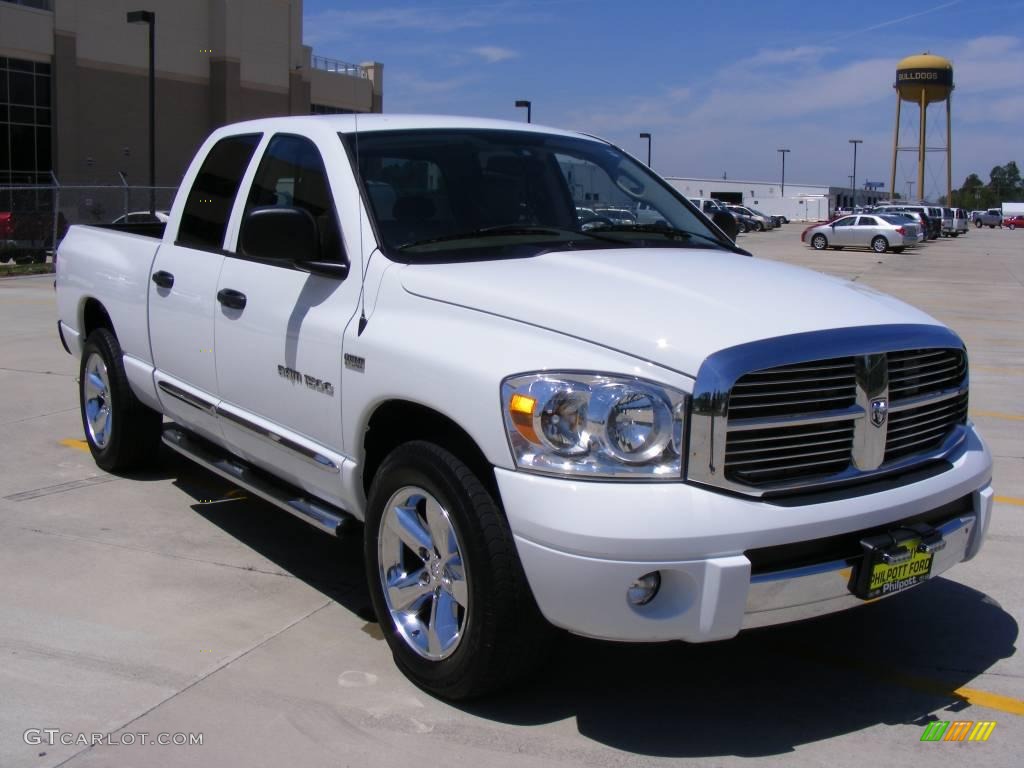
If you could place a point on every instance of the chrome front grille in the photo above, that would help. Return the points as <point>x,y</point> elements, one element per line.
<point>820,385</point>
<point>774,454</point>
<point>924,427</point>
<point>883,403</point>
<point>918,371</point>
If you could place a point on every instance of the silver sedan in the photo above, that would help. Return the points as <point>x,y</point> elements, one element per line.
<point>878,232</point>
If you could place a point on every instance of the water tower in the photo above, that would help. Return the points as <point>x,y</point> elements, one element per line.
<point>922,80</point>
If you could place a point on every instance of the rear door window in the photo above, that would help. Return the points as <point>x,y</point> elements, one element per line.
<point>204,220</point>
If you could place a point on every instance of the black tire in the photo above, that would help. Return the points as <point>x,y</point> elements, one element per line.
<point>879,244</point>
<point>1012,226</point>
<point>130,435</point>
<point>819,242</point>
<point>501,637</point>
<point>5,256</point>
<point>977,224</point>
<point>760,227</point>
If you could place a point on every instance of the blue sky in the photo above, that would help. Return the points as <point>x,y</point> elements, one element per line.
<point>721,84</point>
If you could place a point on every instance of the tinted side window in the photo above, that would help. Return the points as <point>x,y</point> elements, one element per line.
<point>292,175</point>
<point>867,221</point>
<point>208,206</point>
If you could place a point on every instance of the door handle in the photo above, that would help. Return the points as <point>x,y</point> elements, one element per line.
<point>231,298</point>
<point>163,279</point>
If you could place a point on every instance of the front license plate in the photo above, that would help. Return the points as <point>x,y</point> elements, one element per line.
<point>888,579</point>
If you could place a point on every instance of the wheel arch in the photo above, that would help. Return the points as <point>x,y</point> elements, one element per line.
<point>397,421</point>
<point>94,315</point>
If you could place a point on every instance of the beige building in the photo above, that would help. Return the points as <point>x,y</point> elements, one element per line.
<point>74,82</point>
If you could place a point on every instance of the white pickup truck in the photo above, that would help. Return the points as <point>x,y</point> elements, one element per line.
<point>631,431</point>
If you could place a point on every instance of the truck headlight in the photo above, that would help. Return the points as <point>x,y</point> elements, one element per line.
<point>595,425</point>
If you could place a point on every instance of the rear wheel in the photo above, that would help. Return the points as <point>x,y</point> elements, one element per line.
<point>122,433</point>
<point>445,578</point>
<point>819,242</point>
<point>879,244</point>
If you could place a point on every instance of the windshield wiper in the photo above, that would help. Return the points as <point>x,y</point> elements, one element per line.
<point>504,230</point>
<point>657,229</point>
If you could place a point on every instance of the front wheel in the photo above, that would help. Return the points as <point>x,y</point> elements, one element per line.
<point>1012,226</point>
<point>879,244</point>
<point>819,242</point>
<point>977,224</point>
<point>122,433</point>
<point>445,578</point>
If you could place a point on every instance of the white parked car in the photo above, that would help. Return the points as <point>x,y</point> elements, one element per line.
<point>877,231</point>
<point>636,433</point>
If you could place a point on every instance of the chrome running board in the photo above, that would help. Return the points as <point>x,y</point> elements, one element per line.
<point>319,513</point>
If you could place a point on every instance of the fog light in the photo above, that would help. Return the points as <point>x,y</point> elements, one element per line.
<point>643,590</point>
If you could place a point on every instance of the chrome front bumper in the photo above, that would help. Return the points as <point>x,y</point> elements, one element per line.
<point>802,593</point>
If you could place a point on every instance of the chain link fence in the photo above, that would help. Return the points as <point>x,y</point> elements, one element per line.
<point>35,218</point>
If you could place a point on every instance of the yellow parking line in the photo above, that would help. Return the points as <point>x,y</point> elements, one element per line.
<point>918,683</point>
<point>995,415</point>
<point>1009,500</point>
<point>991,700</point>
<point>78,445</point>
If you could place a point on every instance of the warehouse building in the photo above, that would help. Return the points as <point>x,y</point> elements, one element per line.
<point>74,81</point>
<point>798,202</point>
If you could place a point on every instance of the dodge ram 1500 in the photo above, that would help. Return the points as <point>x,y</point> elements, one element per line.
<point>637,432</point>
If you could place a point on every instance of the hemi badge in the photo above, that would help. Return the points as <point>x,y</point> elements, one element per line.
<point>355,362</point>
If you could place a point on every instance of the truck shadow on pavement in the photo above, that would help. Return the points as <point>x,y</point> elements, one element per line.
<point>764,692</point>
<point>331,566</point>
<point>770,690</point>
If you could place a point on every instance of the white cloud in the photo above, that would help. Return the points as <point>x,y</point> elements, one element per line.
<point>492,54</point>
<point>803,54</point>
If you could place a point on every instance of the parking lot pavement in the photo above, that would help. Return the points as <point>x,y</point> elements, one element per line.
<point>171,603</point>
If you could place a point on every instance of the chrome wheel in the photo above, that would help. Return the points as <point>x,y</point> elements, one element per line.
<point>96,390</point>
<point>819,242</point>
<point>422,573</point>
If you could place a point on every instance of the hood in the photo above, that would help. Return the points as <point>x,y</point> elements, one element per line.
<point>673,307</point>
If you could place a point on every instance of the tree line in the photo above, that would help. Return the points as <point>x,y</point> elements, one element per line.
<point>1004,185</point>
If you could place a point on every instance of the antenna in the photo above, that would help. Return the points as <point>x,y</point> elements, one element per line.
<point>364,263</point>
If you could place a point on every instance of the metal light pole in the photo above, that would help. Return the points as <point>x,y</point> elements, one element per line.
<point>648,137</point>
<point>524,104</point>
<point>149,17</point>
<point>783,153</point>
<point>853,182</point>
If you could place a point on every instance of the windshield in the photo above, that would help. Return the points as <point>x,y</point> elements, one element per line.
<point>461,194</point>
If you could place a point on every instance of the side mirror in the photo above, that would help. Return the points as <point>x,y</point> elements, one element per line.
<point>280,233</point>
<point>727,223</point>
